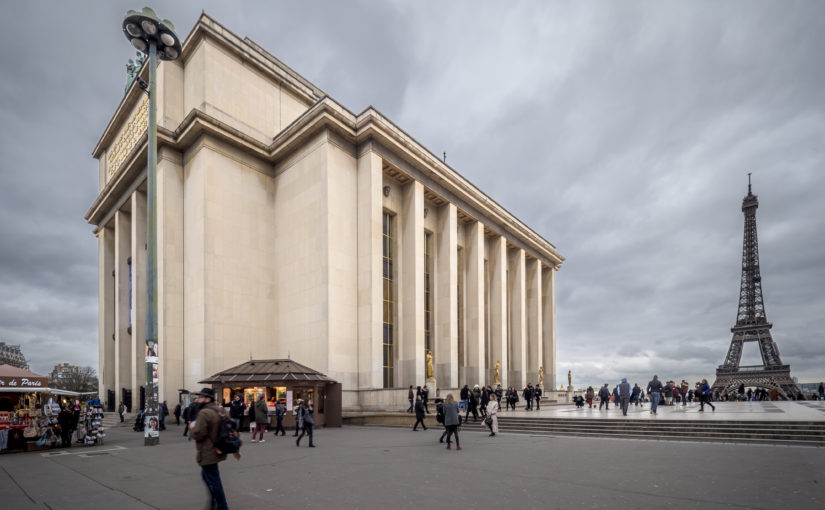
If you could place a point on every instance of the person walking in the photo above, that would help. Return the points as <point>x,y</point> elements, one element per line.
<point>121,409</point>
<point>492,416</point>
<point>624,395</point>
<point>634,395</point>
<point>164,412</point>
<point>190,415</point>
<point>177,412</point>
<point>654,389</point>
<point>236,409</point>
<point>411,398</point>
<point>485,399</point>
<point>307,423</point>
<point>499,393</point>
<point>821,390</point>
<point>465,397</point>
<point>604,398</point>
<point>451,420</point>
<point>472,407</point>
<point>477,394</point>
<point>280,411</point>
<point>419,414</point>
<point>537,396</point>
<point>205,433</point>
<point>589,395</point>
<point>705,397</point>
<point>616,396</point>
<point>260,419</point>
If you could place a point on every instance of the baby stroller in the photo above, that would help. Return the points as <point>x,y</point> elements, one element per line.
<point>139,421</point>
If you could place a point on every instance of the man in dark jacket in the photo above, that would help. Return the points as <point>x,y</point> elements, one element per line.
<point>205,433</point>
<point>499,392</point>
<point>604,398</point>
<point>425,397</point>
<point>472,407</point>
<point>634,395</point>
<point>411,398</point>
<point>280,411</point>
<point>654,389</point>
<point>177,413</point>
<point>64,418</point>
<point>419,414</point>
<point>537,396</point>
<point>527,393</point>
<point>236,409</point>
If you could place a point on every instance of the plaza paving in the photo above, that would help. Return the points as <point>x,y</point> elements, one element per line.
<point>803,410</point>
<point>376,467</point>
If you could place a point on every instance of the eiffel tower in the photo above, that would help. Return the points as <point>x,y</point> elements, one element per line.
<point>752,325</point>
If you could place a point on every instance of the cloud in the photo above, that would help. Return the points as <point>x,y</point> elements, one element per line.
<point>622,133</point>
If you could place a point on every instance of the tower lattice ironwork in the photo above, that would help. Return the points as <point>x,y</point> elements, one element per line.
<point>752,325</point>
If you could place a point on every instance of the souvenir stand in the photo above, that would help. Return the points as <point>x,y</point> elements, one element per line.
<point>22,418</point>
<point>93,423</point>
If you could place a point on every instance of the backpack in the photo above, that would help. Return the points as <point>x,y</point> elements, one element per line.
<point>228,440</point>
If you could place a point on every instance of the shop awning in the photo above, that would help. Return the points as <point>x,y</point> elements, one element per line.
<point>52,391</point>
<point>267,372</point>
<point>21,380</point>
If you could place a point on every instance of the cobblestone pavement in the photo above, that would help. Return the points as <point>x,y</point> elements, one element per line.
<point>374,467</point>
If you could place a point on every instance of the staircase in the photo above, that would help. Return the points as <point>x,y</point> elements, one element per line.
<point>808,433</point>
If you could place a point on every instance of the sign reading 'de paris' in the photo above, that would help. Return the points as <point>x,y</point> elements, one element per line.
<point>20,382</point>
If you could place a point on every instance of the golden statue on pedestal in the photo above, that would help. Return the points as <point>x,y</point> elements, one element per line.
<point>497,373</point>
<point>569,378</point>
<point>430,371</point>
<point>541,375</point>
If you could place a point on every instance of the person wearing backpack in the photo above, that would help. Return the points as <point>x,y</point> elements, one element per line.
<point>205,429</point>
<point>280,411</point>
<point>307,422</point>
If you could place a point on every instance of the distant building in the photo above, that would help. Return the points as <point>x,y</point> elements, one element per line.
<point>12,355</point>
<point>63,372</point>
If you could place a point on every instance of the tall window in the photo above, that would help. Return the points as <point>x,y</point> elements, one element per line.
<point>428,278</point>
<point>389,303</point>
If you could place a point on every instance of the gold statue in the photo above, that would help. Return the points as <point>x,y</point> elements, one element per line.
<point>497,376</point>
<point>541,375</point>
<point>430,371</point>
<point>569,378</point>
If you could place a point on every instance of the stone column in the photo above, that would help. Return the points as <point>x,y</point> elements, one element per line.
<point>411,288</point>
<point>106,311</point>
<point>498,306</point>
<point>370,276</point>
<point>138,295</point>
<point>518,320</point>
<point>474,326</point>
<point>548,337</point>
<point>446,302</point>
<point>534,328</point>
<point>171,251</point>
<point>123,335</point>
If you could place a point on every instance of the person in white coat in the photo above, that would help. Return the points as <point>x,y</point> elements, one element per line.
<point>492,416</point>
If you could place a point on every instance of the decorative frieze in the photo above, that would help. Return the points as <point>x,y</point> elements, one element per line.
<point>128,138</point>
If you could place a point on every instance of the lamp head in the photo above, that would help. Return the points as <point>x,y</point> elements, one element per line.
<point>142,27</point>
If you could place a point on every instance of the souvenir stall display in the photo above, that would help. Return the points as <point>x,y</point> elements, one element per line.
<point>93,424</point>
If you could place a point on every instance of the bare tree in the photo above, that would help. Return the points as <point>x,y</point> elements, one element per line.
<point>82,380</point>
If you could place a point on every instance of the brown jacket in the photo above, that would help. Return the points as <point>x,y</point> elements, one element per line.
<point>205,433</point>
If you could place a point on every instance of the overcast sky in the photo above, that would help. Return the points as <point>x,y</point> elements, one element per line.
<point>622,132</point>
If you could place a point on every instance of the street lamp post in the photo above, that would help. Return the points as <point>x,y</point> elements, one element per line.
<point>157,38</point>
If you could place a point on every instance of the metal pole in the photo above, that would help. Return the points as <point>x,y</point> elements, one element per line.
<point>152,421</point>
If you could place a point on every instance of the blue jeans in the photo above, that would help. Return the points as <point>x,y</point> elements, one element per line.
<point>654,401</point>
<point>212,479</point>
<point>411,406</point>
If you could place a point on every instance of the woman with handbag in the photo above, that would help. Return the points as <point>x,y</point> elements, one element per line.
<point>492,416</point>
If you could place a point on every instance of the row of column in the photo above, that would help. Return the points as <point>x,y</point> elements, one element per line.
<point>122,314</point>
<point>521,307</point>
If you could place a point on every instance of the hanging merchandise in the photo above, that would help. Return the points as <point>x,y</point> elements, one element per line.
<point>94,431</point>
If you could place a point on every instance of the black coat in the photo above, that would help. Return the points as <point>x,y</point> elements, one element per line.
<point>419,409</point>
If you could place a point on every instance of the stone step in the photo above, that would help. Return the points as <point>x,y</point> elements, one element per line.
<point>620,425</point>
<point>776,434</point>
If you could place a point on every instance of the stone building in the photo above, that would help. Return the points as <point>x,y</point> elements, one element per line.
<point>63,371</point>
<point>12,355</point>
<point>290,226</point>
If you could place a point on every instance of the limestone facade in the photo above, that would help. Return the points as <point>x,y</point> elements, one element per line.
<point>290,227</point>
